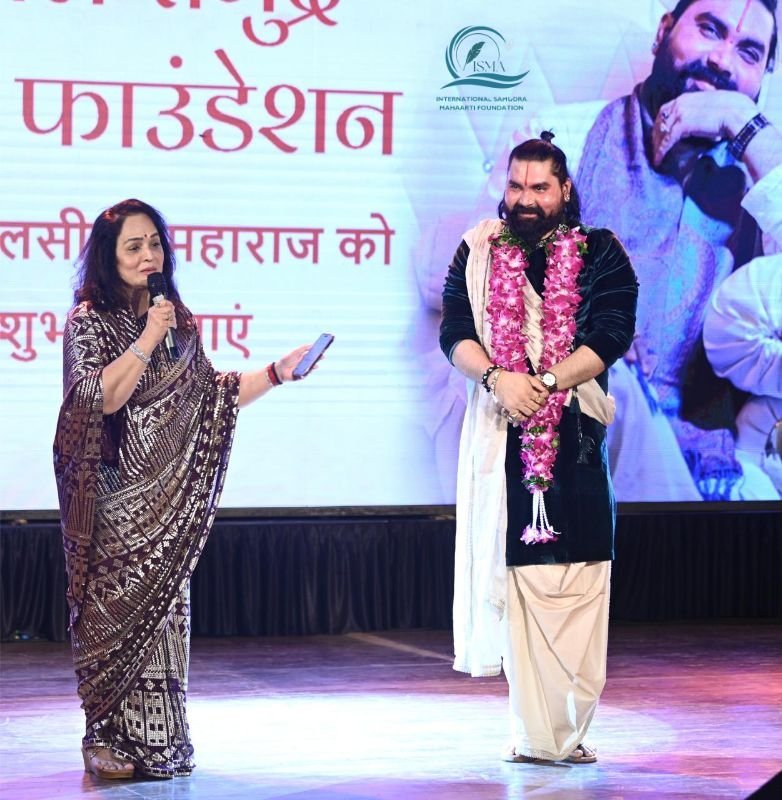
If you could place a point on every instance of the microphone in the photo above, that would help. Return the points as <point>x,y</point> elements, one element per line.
<point>156,283</point>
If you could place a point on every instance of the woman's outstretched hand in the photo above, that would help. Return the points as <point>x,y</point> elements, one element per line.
<point>287,364</point>
<point>256,383</point>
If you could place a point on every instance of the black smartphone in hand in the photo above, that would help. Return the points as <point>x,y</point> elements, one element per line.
<point>312,356</point>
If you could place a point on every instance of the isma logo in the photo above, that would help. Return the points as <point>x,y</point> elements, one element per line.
<point>476,57</point>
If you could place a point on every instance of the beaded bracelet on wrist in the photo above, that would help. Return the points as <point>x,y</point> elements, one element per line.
<point>487,375</point>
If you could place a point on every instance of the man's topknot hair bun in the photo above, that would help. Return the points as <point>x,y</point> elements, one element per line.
<point>547,136</point>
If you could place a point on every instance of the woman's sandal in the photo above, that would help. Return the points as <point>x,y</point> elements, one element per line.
<point>582,755</point>
<point>101,762</point>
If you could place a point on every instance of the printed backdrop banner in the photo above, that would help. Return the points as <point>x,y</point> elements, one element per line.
<point>317,161</point>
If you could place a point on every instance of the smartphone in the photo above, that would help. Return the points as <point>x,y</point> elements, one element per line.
<point>313,355</point>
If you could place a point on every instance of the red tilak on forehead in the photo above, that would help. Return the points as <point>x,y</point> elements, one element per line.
<point>743,14</point>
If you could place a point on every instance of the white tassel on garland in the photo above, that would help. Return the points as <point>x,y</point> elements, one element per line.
<point>541,529</point>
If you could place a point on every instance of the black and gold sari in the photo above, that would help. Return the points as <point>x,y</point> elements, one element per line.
<point>138,492</point>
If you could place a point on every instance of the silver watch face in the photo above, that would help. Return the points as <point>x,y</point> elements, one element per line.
<point>548,379</point>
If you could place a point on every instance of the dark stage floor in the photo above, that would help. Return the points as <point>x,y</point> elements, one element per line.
<point>688,712</point>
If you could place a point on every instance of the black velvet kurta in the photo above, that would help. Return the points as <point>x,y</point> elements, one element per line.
<point>580,504</point>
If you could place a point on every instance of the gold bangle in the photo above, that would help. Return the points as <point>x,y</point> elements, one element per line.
<point>496,377</point>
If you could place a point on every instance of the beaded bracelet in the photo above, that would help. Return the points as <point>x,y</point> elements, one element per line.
<point>272,376</point>
<point>487,375</point>
<point>739,143</point>
<point>139,353</point>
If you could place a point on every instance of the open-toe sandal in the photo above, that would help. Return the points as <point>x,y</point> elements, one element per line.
<point>582,754</point>
<point>509,754</point>
<point>102,763</point>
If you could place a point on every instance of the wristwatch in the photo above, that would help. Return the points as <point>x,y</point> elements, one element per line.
<point>549,380</point>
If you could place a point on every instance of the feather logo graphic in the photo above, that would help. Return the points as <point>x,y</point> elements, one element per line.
<point>474,51</point>
<point>476,56</point>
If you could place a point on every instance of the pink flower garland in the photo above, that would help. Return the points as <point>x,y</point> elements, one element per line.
<point>539,435</point>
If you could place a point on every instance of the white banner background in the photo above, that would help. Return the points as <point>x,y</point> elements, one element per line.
<point>372,426</point>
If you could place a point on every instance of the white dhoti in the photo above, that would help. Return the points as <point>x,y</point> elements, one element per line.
<point>556,638</point>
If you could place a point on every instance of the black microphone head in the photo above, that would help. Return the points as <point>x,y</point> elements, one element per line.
<point>156,283</point>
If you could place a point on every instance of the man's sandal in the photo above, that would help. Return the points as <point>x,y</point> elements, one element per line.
<point>509,754</point>
<point>582,755</point>
<point>102,763</point>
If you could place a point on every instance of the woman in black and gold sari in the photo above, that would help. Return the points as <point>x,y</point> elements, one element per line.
<point>140,453</point>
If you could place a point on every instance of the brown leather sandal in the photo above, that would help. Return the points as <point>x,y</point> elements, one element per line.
<point>582,754</point>
<point>509,754</point>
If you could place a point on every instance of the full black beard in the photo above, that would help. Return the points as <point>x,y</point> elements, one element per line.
<point>530,229</point>
<point>665,82</point>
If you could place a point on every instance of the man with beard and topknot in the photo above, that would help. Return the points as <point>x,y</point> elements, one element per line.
<point>688,172</point>
<point>536,307</point>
